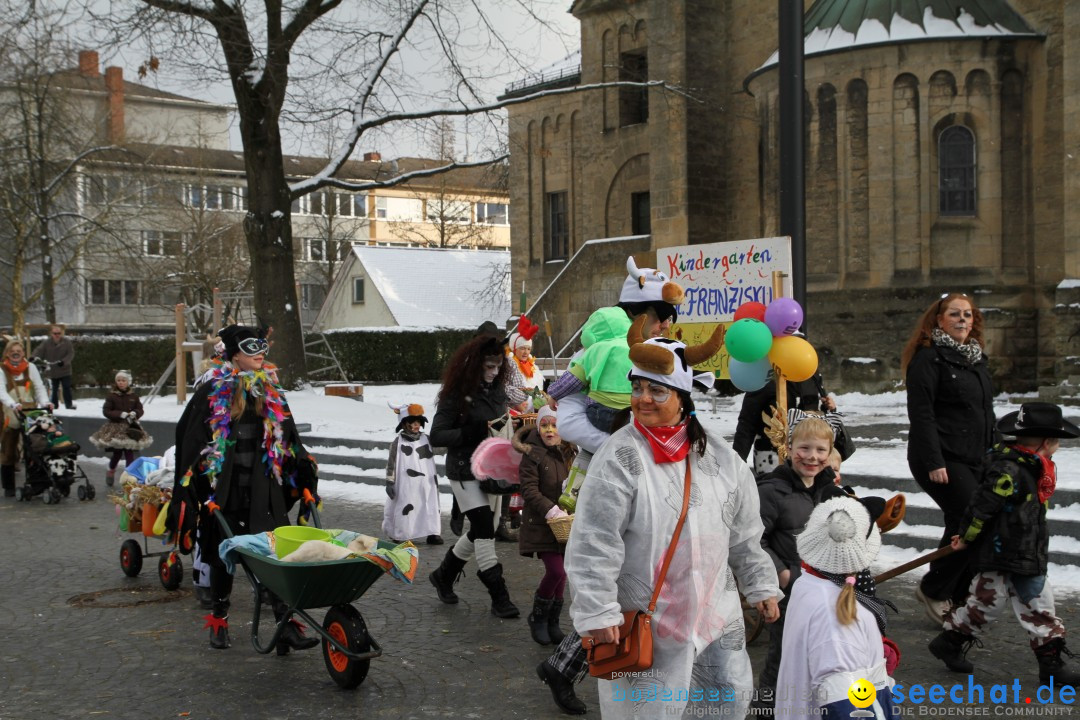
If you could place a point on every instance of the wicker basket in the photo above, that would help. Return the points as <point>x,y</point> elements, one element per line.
<point>560,527</point>
<point>525,420</point>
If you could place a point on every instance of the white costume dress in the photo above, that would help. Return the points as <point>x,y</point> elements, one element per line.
<point>822,658</point>
<point>626,515</point>
<point>414,510</point>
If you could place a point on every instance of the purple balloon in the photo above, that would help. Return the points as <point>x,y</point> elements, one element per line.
<point>783,316</point>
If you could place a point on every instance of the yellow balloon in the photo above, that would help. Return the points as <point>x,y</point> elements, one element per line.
<point>793,357</point>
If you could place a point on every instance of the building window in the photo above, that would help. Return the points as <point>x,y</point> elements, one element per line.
<point>640,219</point>
<point>445,210</point>
<point>314,249</point>
<point>112,292</point>
<point>956,171</point>
<point>380,207</point>
<point>633,101</point>
<point>557,228</point>
<point>352,205</point>
<point>399,208</point>
<point>312,296</point>
<point>162,244</point>
<point>358,291</point>
<point>493,213</point>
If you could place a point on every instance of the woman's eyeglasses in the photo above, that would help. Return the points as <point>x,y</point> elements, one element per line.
<point>254,346</point>
<point>658,393</point>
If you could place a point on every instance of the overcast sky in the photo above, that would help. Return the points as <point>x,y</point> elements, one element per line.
<point>537,46</point>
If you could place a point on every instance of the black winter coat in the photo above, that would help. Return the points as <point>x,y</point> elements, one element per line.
<point>786,504</point>
<point>750,425</point>
<point>461,430</point>
<point>950,408</point>
<point>1005,522</point>
<point>542,472</point>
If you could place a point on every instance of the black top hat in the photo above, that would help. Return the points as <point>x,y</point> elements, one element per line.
<point>1037,419</point>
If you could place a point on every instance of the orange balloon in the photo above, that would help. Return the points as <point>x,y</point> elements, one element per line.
<point>793,357</point>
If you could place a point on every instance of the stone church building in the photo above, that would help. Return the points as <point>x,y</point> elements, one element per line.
<point>942,141</point>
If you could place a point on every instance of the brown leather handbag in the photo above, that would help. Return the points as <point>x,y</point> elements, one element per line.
<point>633,652</point>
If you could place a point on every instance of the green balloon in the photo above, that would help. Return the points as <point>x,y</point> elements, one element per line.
<point>748,340</point>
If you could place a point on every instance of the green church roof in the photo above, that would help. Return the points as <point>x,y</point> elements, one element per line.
<point>967,15</point>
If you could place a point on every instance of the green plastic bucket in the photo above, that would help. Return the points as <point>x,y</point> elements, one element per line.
<point>290,537</point>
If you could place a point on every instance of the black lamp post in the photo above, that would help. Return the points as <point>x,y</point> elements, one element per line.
<point>792,146</point>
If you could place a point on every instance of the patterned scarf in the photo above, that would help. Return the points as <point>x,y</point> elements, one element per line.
<point>225,380</point>
<point>1048,475</point>
<point>865,592</point>
<point>669,443</point>
<point>970,350</point>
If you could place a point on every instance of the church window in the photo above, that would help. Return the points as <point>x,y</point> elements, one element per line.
<point>557,227</point>
<point>633,101</point>
<point>956,171</point>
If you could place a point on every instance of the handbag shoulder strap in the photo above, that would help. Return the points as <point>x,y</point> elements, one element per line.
<point>674,539</point>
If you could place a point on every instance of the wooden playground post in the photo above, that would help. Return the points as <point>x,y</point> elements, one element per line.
<point>217,312</point>
<point>181,365</point>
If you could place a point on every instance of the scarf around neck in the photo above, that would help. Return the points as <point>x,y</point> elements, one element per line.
<point>527,368</point>
<point>865,592</point>
<point>669,443</point>
<point>16,370</point>
<point>970,350</point>
<point>1048,473</point>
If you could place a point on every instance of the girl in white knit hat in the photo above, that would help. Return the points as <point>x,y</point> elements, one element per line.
<point>834,658</point>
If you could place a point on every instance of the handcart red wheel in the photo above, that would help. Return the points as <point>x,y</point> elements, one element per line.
<point>170,571</point>
<point>131,558</point>
<point>345,625</point>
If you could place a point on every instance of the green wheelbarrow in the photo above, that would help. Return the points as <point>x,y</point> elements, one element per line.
<point>347,646</point>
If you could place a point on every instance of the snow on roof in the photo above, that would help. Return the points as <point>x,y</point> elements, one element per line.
<point>437,287</point>
<point>834,25</point>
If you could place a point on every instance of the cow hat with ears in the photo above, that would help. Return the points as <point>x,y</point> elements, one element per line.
<point>646,288</point>
<point>670,362</point>
<point>408,413</point>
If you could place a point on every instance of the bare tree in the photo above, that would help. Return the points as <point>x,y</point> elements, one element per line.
<point>345,68</point>
<point>46,134</point>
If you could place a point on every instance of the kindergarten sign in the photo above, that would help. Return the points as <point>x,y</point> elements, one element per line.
<point>718,278</point>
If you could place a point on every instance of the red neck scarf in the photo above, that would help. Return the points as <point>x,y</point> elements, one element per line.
<point>15,370</point>
<point>669,443</point>
<point>1047,478</point>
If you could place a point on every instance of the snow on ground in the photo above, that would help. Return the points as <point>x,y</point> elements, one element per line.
<point>885,459</point>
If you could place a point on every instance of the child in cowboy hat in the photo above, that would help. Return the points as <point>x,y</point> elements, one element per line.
<point>834,634</point>
<point>1006,532</point>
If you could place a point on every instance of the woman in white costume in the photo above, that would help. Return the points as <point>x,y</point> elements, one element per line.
<point>626,515</point>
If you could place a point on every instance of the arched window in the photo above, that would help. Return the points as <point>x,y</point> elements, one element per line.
<point>956,171</point>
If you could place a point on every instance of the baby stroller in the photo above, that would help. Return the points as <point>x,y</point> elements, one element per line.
<point>49,457</point>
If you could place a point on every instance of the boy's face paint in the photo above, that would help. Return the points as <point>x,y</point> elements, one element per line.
<point>413,427</point>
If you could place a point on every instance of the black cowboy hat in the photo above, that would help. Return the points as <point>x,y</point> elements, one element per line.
<point>1037,419</point>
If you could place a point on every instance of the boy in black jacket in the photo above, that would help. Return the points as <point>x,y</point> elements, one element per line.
<point>1005,531</point>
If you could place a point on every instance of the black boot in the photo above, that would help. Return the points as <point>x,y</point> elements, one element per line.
<point>500,596</point>
<point>218,623</point>
<point>554,631</point>
<point>504,533</point>
<point>7,476</point>
<point>951,647</point>
<point>1052,665</point>
<point>444,577</point>
<point>292,635</point>
<point>562,690</point>
<point>538,619</point>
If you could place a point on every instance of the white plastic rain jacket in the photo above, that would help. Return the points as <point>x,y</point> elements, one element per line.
<point>626,515</point>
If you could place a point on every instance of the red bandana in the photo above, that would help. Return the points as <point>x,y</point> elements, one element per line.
<point>669,443</point>
<point>1048,477</point>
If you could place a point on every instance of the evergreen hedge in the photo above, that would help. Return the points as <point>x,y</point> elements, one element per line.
<point>394,355</point>
<point>97,358</point>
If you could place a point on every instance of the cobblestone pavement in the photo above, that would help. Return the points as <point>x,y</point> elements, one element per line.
<point>149,660</point>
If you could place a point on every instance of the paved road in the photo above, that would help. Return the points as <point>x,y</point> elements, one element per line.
<point>151,661</point>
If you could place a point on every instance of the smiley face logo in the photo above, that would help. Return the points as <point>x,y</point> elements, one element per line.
<point>861,693</point>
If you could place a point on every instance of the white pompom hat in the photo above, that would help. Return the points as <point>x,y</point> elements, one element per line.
<point>840,537</point>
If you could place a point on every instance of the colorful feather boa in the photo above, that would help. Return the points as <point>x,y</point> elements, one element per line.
<point>224,380</point>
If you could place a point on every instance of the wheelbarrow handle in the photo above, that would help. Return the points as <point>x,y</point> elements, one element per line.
<point>313,507</point>
<point>215,510</point>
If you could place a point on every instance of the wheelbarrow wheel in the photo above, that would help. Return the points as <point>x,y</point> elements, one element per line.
<point>345,624</point>
<point>170,573</point>
<point>131,558</point>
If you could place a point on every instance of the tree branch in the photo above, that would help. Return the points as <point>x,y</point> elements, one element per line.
<point>305,186</point>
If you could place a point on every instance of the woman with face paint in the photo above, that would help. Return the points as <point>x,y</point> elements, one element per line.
<point>472,395</point>
<point>950,407</point>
